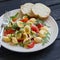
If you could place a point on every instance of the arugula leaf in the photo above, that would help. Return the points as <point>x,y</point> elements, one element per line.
<point>6,28</point>
<point>48,33</point>
<point>46,25</point>
<point>45,40</point>
<point>40,21</point>
<point>21,44</point>
<point>16,14</point>
<point>12,17</point>
<point>14,26</point>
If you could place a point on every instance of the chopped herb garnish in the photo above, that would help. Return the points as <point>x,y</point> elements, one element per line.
<point>6,28</point>
<point>21,44</point>
<point>45,40</point>
<point>12,17</point>
<point>14,26</point>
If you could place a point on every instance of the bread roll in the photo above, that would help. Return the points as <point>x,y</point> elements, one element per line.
<point>40,10</point>
<point>26,9</point>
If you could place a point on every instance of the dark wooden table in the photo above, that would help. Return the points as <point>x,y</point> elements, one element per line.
<point>50,53</point>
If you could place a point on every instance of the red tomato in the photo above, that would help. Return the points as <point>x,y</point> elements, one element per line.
<point>39,25</point>
<point>31,45</point>
<point>24,20</point>
<point>14,19</point>
<point>9,31</point>
<point>35,28</point>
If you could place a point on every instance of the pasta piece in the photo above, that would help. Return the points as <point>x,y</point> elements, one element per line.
<point>27,29</point>
<point>44,28</point>
<point>42,33</point>
<point>14,40</point>
<point>24,36</point>
<point>6,39</point>
<point>20,24</point>
<point>28,38</point>
<point>37,39</point>
<point>25,40</point>
<point>18,36</point>
<point>33,20</point>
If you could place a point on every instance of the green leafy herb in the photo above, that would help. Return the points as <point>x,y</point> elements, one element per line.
<point>11,35</point>
<point>12,17</point>
<point>46,25</point>
<point>21,44</point>
<point>6,28</point>
<point>40,21</point>
<point>14,26</point>
<point>48,33</point>
<point>45,40</point>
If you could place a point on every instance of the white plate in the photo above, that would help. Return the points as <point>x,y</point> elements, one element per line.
<point>53,31</point>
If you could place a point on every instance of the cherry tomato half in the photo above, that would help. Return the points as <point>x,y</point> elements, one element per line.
<point>31,45</point>
<point>35,28</point>
<point>24,20</point>
<point>39,25</point>
<point>9,31</point>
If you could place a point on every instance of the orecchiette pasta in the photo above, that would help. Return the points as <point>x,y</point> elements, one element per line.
<point>6,39</point>
<point>38,39</point>
<point>44,28</point>
<point>14,40</point>
<point>20,24</point>
<point>27,29</point>
<point>42,33</point>
<point>33,20</point>
<point>24,36</point>
<point>18,36</point>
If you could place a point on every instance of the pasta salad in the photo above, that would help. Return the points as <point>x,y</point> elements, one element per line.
<point>26,31</point>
